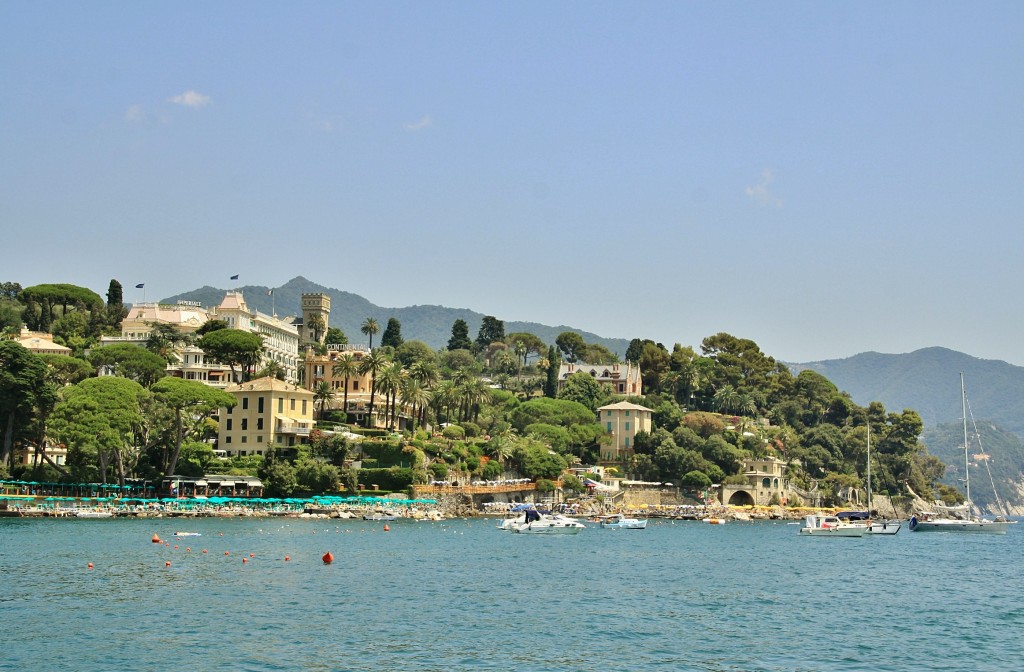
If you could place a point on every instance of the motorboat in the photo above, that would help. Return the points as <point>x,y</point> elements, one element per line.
<point>875,527</point>
<point>832,526</point>
<point>619,521</point>
<point>538,523</point>
<point>93,514</point>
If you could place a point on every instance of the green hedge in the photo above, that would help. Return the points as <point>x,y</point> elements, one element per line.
<point>394,479</point>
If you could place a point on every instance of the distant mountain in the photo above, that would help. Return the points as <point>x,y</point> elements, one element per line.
<point>430,324</point>
<point>928,381</point>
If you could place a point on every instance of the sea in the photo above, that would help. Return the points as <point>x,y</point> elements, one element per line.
<point>254,594</point>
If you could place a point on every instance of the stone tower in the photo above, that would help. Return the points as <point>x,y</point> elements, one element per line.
<point>315,306</point>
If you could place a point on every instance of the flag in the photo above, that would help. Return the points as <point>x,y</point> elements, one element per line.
<point>234,277</point>
<point>270,292</point>
<point>140,285</point>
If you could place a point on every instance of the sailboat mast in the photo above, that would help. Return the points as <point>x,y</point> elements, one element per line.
<point>967,473</point>
<point>869,469</point>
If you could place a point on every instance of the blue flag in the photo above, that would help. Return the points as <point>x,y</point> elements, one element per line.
<point>234,277</point>
<point>140,285</point>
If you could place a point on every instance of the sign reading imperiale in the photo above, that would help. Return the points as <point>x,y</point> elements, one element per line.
<point>194,304</point>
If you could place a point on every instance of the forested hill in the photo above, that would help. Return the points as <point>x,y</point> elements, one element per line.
<point>928,381</point>
<point>430,324</point>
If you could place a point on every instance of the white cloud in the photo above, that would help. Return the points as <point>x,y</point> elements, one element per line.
<point>190,98</point>
<point>760,192</point>
<point>135,114</point>
<point>425,122</point>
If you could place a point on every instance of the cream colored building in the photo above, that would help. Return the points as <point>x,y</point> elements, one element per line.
<point>766,479</point>
<point>622,421</point>
<point>269,413</point>
<point>280,337</point>
<point>320,368</point>
<point>41,344</point>
<point>619,378</point>
<point>314,306</point>
<point>186,317</point>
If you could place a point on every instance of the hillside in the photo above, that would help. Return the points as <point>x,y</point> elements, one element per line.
<point>430,324</point>
<point>928,381</point>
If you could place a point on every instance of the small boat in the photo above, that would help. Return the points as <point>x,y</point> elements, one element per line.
<point>188,534</point>
<point>380,516</point>
<point>875,527</point>
<point>832,526</point>
<point>93,514</point>
<point>619,521</point>
<point>538,523</point>
<point>715,521</point>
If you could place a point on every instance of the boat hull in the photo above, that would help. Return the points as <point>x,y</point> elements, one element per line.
<point>531,528</point>
<point>834,531</point>
<point>886,528</point>
<point>953,525</point>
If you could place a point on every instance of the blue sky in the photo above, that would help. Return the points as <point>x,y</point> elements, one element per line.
<point>823,178</point>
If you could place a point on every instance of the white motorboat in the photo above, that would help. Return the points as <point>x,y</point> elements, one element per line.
<point>93,514</point>
<point>619,521</point>
<point>538,523</point>
<point>832,526</point>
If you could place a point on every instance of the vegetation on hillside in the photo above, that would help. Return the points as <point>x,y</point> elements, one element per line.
<point>483,408</point>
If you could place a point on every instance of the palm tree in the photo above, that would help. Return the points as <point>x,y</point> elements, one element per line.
<point>369,328</point>
<point>372,364</point>
<point>315,327</point>
<point>347,366</point>
<point>425,373</point>
<point>389,383</point>
<point>415,396</point>
<point>445,396</point>
<point>323,395</point>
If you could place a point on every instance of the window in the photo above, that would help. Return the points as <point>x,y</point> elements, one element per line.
<point>627,442</point>
<point>227,439</point>
<point>245,424</point>
<point>229,424</point>
<point>609,426</point>
<point>259,439</point>
<point>259,423</point>
<point>244,437</point>
<point>627,426</point>
<point>303,406</point>
<point>245,403</point>
<point>291,404</point>
<point>627,414</point>
<point>608,414</point>
<point>280,404</point>
<point>259,405</point>
<point>230,408</point>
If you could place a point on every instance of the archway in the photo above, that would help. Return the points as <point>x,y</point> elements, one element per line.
<point>741,498</point>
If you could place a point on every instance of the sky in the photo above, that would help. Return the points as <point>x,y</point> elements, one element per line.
<point>824,179</point>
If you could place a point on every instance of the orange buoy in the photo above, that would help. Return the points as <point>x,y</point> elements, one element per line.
<point>204,550</point>
<point>287,558</point>
<point>89,565</point>
<point>252,555</point>
<point>167,564</point>
<point>328,558</point>
<point>188,549</point>
<point>227,552</point>
<point>386,528</point>
<point>245,560</point>
<point>175,547</point>
<point>156,539</point>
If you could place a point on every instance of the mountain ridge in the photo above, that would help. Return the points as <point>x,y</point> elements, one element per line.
<point>430,323</point>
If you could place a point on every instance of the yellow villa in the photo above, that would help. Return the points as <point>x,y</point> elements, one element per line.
<point>270,414</point>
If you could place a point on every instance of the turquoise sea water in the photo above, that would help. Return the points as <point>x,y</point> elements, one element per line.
<point>461,595</point>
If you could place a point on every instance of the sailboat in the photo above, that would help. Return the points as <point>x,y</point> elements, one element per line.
<point>872,527</point>
<point>957,518</point>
